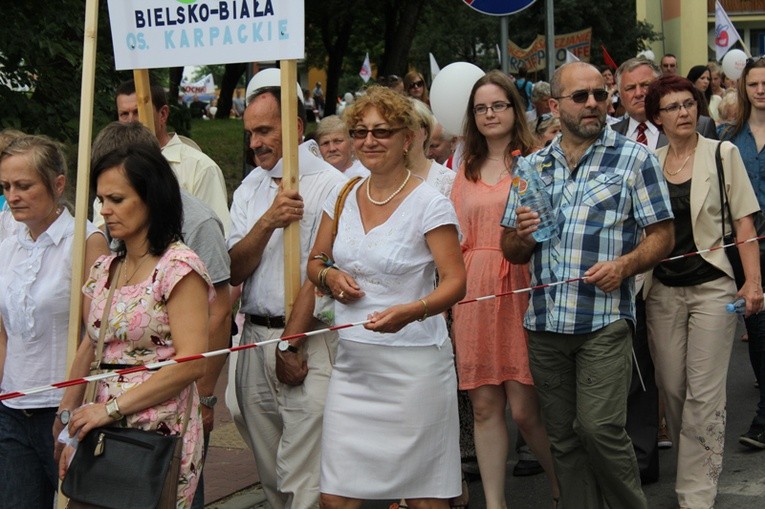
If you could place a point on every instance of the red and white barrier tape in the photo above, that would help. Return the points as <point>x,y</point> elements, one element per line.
<point>214,353</point>
<point>179,360</point>
<point>574,279</point>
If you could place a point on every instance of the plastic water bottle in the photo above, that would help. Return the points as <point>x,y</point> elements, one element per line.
<point>532,194</point>
<point>738,306</point>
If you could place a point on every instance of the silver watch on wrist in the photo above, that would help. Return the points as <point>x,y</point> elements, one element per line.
<point>285,346</point>
<point>208,401</point>
<point>64,416</point>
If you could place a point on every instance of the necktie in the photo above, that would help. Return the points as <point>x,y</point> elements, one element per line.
<point>641,137</point>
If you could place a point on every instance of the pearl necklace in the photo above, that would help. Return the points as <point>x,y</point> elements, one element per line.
<point>400,188</point>
<point>673,173</point>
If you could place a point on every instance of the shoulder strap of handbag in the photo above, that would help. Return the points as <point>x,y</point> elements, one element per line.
<point>340,203</point>
<point>96,364</point>
<point>724,203</point>
<point>189,405</point>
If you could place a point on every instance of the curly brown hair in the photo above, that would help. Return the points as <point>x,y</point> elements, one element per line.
<point>393,107</point>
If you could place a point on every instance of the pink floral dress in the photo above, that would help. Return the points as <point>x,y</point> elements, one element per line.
<point>139,333</point>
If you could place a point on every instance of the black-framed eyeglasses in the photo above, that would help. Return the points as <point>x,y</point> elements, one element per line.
<point>496,107</point>
<point>417,84</point>
<point>581,96</point>
<point>675,107</point>
<point>379,133</point>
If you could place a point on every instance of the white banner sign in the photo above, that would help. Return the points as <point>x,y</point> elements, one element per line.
<point>204,86</point>
<point>172,33</point>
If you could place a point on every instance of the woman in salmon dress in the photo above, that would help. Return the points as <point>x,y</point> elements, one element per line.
<point>491,344</point>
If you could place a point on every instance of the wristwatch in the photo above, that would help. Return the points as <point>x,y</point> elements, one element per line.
<point>208,401</point>
<point>64,416</point>
<point>285,346</point>
<point>113,409</point>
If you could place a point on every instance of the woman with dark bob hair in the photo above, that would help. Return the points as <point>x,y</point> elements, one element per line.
<point>701,78</point>
<point>159,310</point>
<point>689,331</point>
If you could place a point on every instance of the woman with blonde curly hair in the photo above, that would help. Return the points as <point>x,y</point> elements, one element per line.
<point>390,421</point>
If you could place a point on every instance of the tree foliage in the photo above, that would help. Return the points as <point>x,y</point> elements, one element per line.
<point>41,57</point>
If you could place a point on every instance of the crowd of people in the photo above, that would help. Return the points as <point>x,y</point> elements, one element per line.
<point>611,351</point>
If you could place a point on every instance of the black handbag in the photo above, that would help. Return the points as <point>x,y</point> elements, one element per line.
<point>759,225</point>
<point>124,468</point>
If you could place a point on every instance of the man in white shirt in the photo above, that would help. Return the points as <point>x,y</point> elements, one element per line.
<point>199,175</point>
<point>283,421</point>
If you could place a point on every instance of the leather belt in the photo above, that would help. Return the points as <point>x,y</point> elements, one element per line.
<point>115,367</point>
<point>31,412</point>
<point>272,322</point>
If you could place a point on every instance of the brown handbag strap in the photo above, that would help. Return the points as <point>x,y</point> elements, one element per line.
<point>189,405</point>
<point>340,203</point>
<point>96,364</point>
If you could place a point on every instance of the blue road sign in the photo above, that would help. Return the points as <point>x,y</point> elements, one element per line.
<point>499,7</point>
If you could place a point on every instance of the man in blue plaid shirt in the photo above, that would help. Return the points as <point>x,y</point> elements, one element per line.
<point>606,191</point>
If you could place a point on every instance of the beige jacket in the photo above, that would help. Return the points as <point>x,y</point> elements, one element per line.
<point>705,198</point>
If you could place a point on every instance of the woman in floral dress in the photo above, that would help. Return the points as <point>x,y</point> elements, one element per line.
<point>159,310</point>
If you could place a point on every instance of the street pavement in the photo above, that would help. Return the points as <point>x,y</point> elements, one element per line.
<point>742,482</point>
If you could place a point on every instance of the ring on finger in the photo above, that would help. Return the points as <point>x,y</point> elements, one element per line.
<point>341,294</point>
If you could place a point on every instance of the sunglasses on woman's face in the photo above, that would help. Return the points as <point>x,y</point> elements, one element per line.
<point>380,133</point>
<point>417,84</point>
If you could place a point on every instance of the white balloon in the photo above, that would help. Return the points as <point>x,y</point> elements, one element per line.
<point>733,63</point>
<point>271,77</point>
<point>647,54</point>
<point>450,92</point>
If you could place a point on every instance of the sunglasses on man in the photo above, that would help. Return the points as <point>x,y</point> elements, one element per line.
<point>581,96</point>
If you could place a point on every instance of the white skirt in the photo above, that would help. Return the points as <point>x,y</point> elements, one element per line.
<point>391,428</point>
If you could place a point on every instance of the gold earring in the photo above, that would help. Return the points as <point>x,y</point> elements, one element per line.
<point>406,151</point>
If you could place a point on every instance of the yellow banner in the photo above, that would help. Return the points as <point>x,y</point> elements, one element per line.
<point>535,56</point>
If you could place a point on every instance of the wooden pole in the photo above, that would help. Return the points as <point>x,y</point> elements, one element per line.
<point>288,71</point>
<point>87,95</point>
<point>143,96</point>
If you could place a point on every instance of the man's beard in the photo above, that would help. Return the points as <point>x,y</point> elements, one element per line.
<point>574,126</point>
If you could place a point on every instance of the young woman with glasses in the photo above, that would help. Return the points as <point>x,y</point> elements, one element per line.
<point>491,344</point>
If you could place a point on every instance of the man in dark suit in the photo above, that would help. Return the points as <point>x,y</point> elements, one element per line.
<point>633,78</point>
